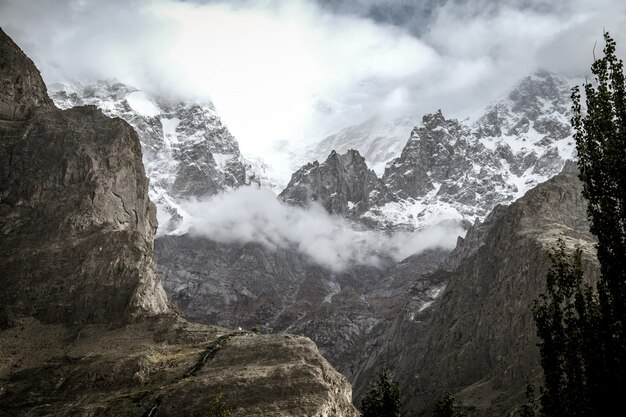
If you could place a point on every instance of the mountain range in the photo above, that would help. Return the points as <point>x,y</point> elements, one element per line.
<point>446,318</point>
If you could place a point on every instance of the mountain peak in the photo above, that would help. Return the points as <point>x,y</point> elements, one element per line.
<point>538,91</point>
<point>343,184</point>
<point>432,120</point>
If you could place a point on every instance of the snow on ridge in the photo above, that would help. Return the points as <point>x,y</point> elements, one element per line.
<point>141,103</point>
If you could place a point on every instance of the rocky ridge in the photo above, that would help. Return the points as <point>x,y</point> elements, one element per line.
<point>85,326</point>
<point>378,141</point>
<point>342,184</point>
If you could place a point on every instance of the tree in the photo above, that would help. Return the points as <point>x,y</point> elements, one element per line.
<point>581,328</point>
<point>383,398</point>
<point>565,318</point>
<point>528,409</point>
<point>447,407</point>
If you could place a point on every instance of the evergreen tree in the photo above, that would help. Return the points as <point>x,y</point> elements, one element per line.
<point>383,398</point>
<point>583,346</point>
<point>447,407</point>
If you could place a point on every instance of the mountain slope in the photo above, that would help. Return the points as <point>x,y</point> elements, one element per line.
<point>478,339</point>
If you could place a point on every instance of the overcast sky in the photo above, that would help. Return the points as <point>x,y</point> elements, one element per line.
<point>294,70</point>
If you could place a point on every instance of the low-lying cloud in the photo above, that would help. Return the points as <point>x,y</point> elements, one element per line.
<point>252,215</point>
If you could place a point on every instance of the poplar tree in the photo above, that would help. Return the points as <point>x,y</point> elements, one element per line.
<point>581,328</point>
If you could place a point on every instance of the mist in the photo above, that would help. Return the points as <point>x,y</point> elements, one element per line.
<point>285,73</point>
<point>252,215</point>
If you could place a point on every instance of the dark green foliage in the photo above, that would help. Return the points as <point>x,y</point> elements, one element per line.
<point>566,317</point>
<point>601,144</point>
<point>528,409</point>
<point>583,347</point>
<point>447,407</point>
<point>383,398</point>
<point>218,408</point>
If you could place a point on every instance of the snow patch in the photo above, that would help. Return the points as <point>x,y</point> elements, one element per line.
<point>141,103</point>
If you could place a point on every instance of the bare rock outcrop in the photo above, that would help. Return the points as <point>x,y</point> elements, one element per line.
<point>76,221</point>
<point>164,367</point>
<point>21,86</point>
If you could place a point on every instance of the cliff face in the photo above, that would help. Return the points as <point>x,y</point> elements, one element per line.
<point>478,339</point>
<point>76,221</point>
<point>85,326</point>
<point>275,290</point>
<point>21,88</point>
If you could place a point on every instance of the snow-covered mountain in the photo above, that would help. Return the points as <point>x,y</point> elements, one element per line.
<point>447,170</point>
<point>187,150</point>
<point>343,184</point>
<point>460,170</point>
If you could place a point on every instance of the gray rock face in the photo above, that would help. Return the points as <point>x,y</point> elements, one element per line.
<point>22,89</point>
<point>280,290</point>
<point>343,184</point>
<point>166,367</point>
<point>477,339</point>
<point>188,151</point>
<point>76,221</point>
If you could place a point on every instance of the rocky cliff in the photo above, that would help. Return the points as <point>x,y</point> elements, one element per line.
<point>275,290</point>
<point>343,184</point>
<point>77,224</point>
<point>477,338</point>
<point>86,328</point>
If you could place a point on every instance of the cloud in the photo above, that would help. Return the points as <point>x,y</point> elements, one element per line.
<point>250,214</point>
<point>292,71</point>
